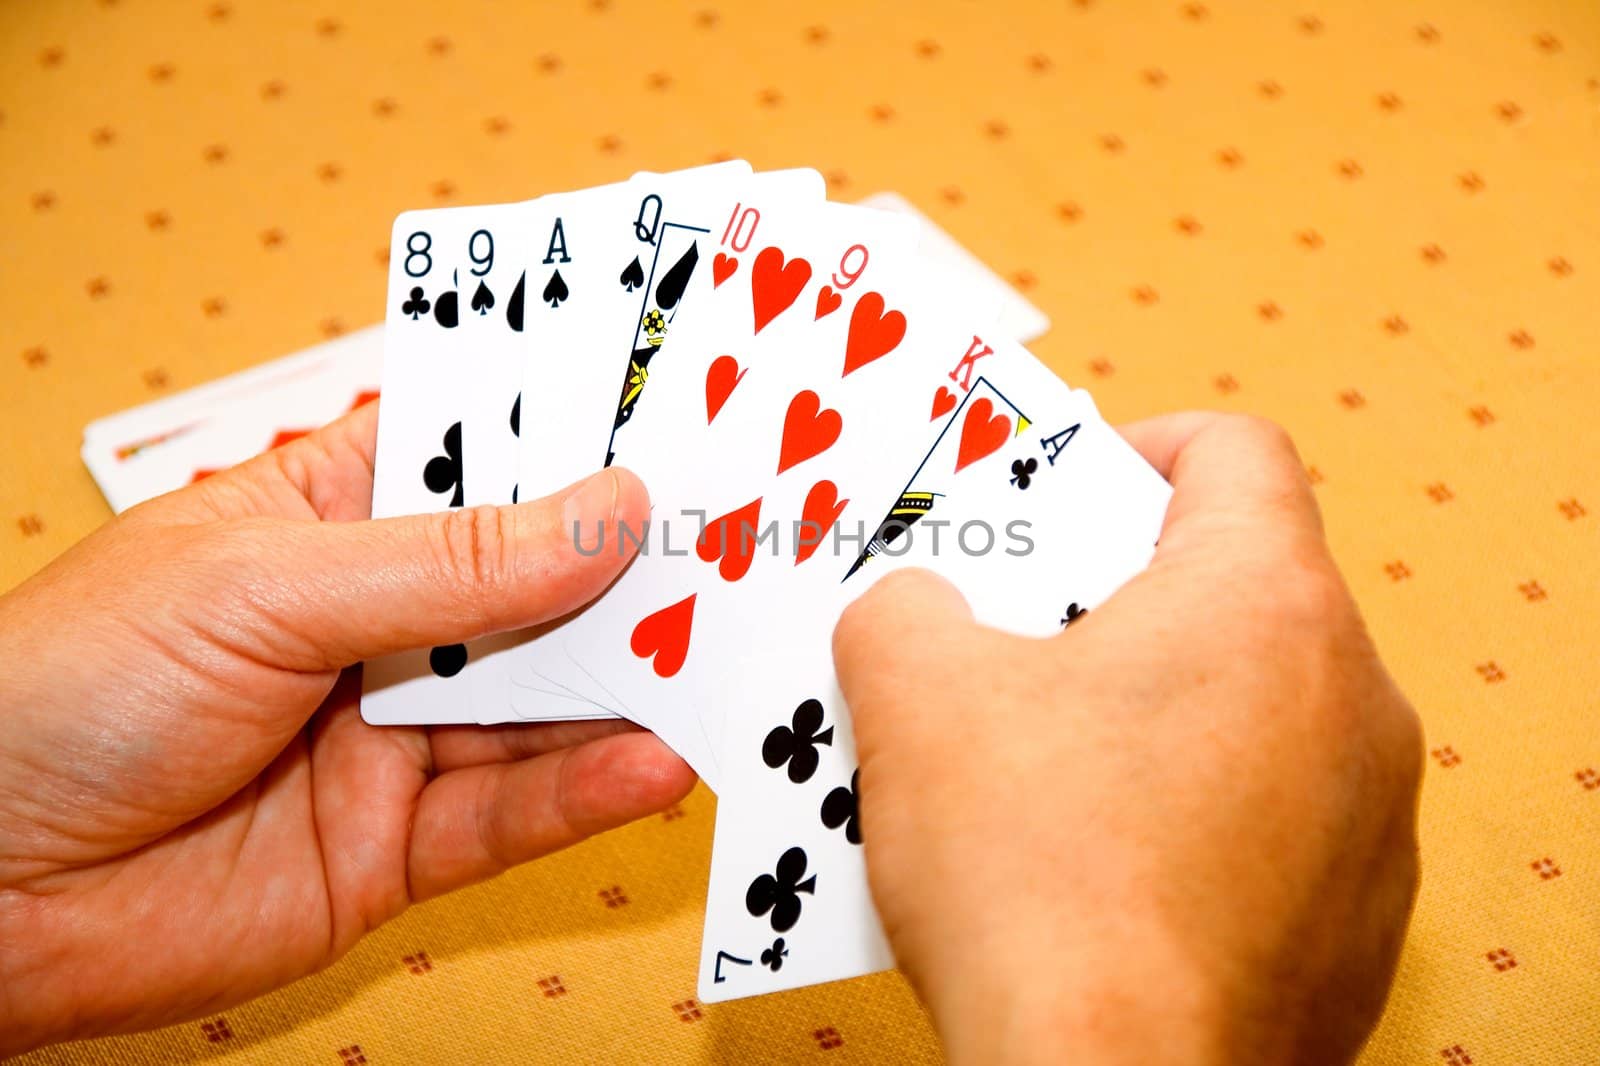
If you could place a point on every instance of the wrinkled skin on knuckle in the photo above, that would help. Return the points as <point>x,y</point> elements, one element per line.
<point>474,548</point>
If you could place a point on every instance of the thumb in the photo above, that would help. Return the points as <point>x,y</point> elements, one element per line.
<point>335,593</point>
<point>884,644</point>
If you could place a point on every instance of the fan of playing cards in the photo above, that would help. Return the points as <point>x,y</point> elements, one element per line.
<point>815,394</point>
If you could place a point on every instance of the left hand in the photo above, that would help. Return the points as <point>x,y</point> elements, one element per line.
<point>192,811</point>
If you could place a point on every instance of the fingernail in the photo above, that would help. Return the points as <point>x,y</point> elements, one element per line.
<point>592,505</point>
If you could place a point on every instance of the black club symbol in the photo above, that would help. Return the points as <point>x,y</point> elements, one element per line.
<point>417,305</point>
<point>779,891</point>
<point>772,958</point>
<point>796,743</point>
<point>1074,612</point>
<point>842,807</point>
<point>1022,471</point>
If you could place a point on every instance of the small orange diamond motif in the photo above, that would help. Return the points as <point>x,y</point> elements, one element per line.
<point>1547,42</point>
<point>328,27</point>
<point>827,1039</point>
<point>1310,24</point>
<point>417,963</point>
<point>272,90</point>
<point>1481,416</point>
<point>1520,339</point>
<point>881,112</point>
<point>1187,225</point>
<point>496,125</point>
<point>552,987</point>
<point>1427,33</point>
<point>673,813</point>
<point>439,46</point>
<point>1439,492</point>
<point>1313,475</point>
<point>1571,509</point>
<point>1039,63</point>
<point>155,378</point>
<point>1068,211</point>
<point>1024,280</point>
<point>1471,181</point>
<point>330,172</point>
<point>952,195</point>
<point>215,153</point>
<point>928,49</point>
<point>1432,253</point>
<point>996,129</point>
<point>1390,102</point>
<point>1112,143</point>
<point>659,80</point>
<point>1145,296</point>
<point>103,137</point>
<point>817,34</point>
<point>1309,239</point>
<point>1196,12</point>
<point>613,897</point>
<point>30,525</point>
<point>1269,310</point>
<point>443,189</point>
<point>1397,570</point>
<point>1396,326</point>
<point>385,106</point>
<point>219,12</point>
<point>1490,672</point>
<point>213,306</point>
<point>272,238</point>
<point>688,1011</point>
<point>1352,399</point>
<point>1589,778</point>
<point>1455,1055</point>
<point>217,1030</point>
<point>352,1056</point>
<point>1446,757</point>
<point>52,56</point>
<point>706,19</point>
<point>1225,383</point>
<point>1270,89</point>
<point>35,357</point>
<point>1559,267</point>
<point>1230,157</point>
<point>1502,960</point>
<point>157,220</point>
<point>838,179</point>
<point>1508,111</point>
<point>1546,868</point>
<point>1349,169</point>
<point>98,288</point>
<point>43,201</point>
<point>1154,77</point>
<point>162,73</point>
<point>331,327</point>
<point>548,63</point>
<point>1102,368</point>
<point>1532,591</point>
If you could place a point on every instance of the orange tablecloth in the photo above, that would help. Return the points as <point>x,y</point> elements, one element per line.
<point>1374,221</point>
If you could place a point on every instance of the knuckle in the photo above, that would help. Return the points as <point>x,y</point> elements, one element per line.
<point>474,546</point>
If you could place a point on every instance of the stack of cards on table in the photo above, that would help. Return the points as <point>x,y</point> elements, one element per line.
<point>815,394</point>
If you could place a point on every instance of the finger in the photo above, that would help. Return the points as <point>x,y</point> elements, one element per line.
<point>455,747</point>
<point>328,594</point>
<point>908,614</point>
<point>472,824</point>
<point>1233,472</point>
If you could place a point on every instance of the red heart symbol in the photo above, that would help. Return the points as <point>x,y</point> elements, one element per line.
<point>722,268</point>
<point>721,377</point>
<point>808,429</point>
<point>731,538</point>
<point>665,635</point>
<point>828,301</point>
<point>982,432</point>
<point>943,400</point>
<point>873,334</point>
<point>822,509</point>
<point>775,284</point>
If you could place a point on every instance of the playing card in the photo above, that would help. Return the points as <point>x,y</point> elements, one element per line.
<point>157,447</point>
<point>445,281</point>
<point>1040,532</point>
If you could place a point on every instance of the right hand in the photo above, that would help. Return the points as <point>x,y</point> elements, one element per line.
<point>1181,831</point>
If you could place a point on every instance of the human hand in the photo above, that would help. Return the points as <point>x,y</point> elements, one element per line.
<point>192,811</point>
<point>1181,831</point>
